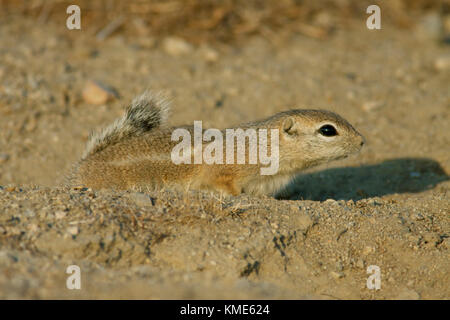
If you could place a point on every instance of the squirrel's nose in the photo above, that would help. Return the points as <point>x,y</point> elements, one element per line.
<point>363,141</point>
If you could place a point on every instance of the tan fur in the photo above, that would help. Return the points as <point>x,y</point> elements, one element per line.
<point>135,153</point>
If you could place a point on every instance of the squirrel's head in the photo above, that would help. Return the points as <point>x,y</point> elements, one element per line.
<point>317,136</point>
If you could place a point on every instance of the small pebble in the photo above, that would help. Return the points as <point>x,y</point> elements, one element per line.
<point>176,46</point>
<point>442,63</point>
<point>360,263</point>
<point>73,230</point>
<point>97,93</point>
<point>368,250</point>
<point>337,275</point>
<point>209,54</point>
<point>142,199</point>
<point>60,214</point>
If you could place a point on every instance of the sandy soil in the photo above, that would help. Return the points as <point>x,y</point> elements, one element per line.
<point>389,206</point>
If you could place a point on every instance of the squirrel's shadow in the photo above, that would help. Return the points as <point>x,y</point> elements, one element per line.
<point>391,176</point>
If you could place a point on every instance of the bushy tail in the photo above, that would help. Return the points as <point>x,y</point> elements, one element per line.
<point>146,112</point>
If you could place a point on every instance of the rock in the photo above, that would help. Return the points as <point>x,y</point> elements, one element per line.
<point>176,46</point>
<point>29,213</point>
<point>324,19</point>
<point>442,63</point>
<point>60,214</point>
<point>337,275</point>
<point>142,199</point>
<point>368,250</point>
<point>373,202</point>
<point>33,227</point>
<point>98,93</point>
<point>418,216</point>
<point>73,230</point>
<point>209,54</point>
<point>360,263</point>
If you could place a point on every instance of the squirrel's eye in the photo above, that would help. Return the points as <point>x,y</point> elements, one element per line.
<point>328,130</point>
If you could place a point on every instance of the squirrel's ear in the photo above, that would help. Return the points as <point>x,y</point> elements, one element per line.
<point>289,126</point>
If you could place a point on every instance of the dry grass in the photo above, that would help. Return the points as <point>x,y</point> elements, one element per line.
<point>221,20</point>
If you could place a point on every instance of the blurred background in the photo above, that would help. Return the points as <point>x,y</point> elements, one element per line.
<point>231,20</point>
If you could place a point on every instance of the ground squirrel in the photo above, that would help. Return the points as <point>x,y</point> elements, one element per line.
<point>135,152</point>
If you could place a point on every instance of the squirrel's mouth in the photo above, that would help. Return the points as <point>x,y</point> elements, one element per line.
<point>342,157</point>
<point>357,148</point>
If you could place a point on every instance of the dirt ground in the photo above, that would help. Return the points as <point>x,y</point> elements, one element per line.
<point>388,206</point>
